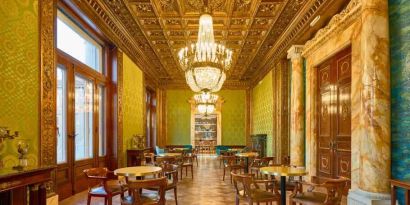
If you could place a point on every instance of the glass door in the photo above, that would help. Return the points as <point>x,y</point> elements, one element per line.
<point>81,105</point>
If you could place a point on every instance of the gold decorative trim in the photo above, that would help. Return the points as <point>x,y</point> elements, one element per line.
<point>339,22</point>
<point>116,32</point>
<point>48,143</point>
<point>276,52</point>
<point>120,113</point>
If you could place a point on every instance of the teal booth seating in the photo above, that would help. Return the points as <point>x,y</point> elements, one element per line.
<point>158,150</point>
<point>219,148</point>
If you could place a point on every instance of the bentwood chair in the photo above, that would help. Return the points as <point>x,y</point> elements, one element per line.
<point>97,179</point>
<point>137,197</point>
<point>188,162</point>
<point>195,152</point>
<point>259,163</point>
<point>171,172</point>
<point>248,189</point>
<point>232,164</point>
<point>333,196</point>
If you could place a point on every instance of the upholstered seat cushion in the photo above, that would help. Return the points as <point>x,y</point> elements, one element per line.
<point>146,198</point>
<point>311,198</point>
<point>99,190</point>
<point>261,195</point>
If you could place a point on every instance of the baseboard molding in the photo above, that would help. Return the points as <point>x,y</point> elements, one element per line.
<point>360,197</point>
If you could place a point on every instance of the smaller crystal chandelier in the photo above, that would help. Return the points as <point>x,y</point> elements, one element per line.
<point>205,102</point>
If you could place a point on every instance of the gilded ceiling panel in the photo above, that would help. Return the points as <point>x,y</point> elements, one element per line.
<point>249,27</point>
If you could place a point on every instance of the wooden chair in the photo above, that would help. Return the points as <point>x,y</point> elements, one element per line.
<point>195,153</point>
<point>149,158</point>
<point>247,189</point>
<point>334,188</point>
<point>188,162</point>
<point>97,179</point>
<point>231,163</point>
<point>224,153</point>
<point>171,172</point>
<point>137,197</point>
<point>258,163</point>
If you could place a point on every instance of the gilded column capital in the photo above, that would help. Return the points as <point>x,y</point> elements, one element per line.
<point>295,52</point>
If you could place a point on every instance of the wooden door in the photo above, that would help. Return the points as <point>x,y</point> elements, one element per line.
<point>334,116</point>
<point>80,125</point>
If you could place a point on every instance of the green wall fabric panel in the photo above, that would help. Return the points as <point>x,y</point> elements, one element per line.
<point>262,110</point>
<point>233,117</point>
<point>19,77</point>
<point>133,107</point>
<point>399,17</point>
<point>178,117</point>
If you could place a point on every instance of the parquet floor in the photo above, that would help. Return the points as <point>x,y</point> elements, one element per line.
<point>207,188</point>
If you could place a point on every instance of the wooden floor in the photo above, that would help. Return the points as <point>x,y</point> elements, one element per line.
<point>206,188</point>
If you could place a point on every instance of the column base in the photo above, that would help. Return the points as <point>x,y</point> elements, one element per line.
<point>53,200</point>
<point>360,197</point>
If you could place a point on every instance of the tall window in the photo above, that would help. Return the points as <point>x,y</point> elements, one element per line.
<point>82,87</point>
<point>83,118</point>
<point>79,53</point>
<point>75,42</point>
<point>102,122</point>
<point>61,115</point>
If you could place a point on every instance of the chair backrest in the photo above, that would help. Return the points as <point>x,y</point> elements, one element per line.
<point>230,160</point>
<point>285,160</point>
<point>96,176</point>
<point>335,189</point>
<point>243,182</point>
<point>171,171</point>
<point>134,187</point>
<point>266,161</point>
<point>165,160</point>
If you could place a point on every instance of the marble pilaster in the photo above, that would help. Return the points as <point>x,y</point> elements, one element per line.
<point>297,142</point>
<point>374,171</point>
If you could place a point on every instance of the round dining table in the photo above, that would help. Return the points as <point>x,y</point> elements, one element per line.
<point>138,171</point>
<point>283,172</point>
<point>247,155</point>
<point>170,154</point>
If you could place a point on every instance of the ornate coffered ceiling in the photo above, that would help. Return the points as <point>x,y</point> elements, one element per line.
<point>256,31</point>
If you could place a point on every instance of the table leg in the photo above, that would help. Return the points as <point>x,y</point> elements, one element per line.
<point>283,190</point>
<point>246,165</point>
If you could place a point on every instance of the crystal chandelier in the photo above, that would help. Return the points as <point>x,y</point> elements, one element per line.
<point>205,62</point>
<point>205,102</point>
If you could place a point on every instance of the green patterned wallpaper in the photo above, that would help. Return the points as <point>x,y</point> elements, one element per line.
<point>262,110</point>
<point>133,107</point>
<point>233,117</point>
<point>19,76</point>
<point>179,117</point>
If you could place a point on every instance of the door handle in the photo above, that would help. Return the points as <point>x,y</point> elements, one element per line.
<point>73,135</point>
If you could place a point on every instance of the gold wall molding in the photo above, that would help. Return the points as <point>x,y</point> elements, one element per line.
<point>338,23</point>
<point>120,114</point>
<point>48,142</point>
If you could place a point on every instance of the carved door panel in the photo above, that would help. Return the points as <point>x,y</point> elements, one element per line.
<point>334,116</point>
<point>325,154</point>
<point>342,137</point>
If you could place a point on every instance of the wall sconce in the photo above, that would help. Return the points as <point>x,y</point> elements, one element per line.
<point>5,134</point>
